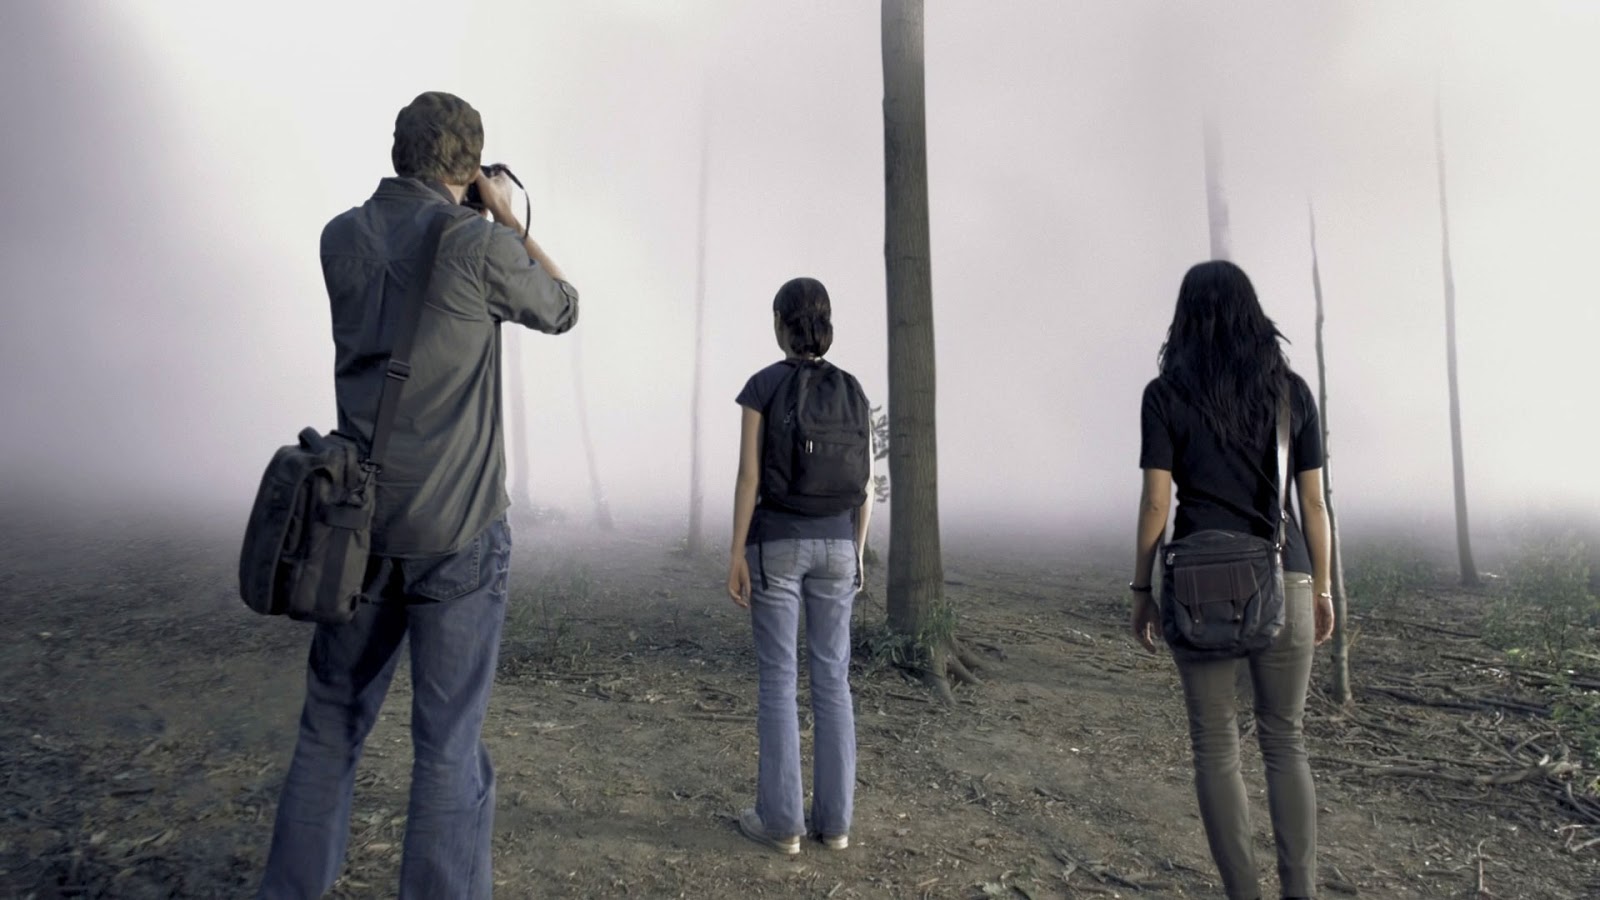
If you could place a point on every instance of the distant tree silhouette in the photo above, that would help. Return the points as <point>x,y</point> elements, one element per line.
<point>1469,571</point>
<point>1216,202</point>
<point>521,494</point>
<point>602,509</point>
<point>695,542</point>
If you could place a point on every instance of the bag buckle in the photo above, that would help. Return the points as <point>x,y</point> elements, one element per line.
<point>399,370</point>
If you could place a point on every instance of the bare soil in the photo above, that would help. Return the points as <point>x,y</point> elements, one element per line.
<point>146,719</point>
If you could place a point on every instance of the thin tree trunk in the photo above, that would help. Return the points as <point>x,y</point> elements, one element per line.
<point>520,493</point>
<point>1341,612</point>
<point>1216,203</point>
<point>916,571</point>
<point>695,541</point>
<point>1469,571</point>
<point>602,511</point>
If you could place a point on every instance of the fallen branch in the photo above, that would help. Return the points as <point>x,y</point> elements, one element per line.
<point>1526,671</point>
<point>1368,617</point>
<point>721,717</point>
<point>1546,769</point>
<point>1466,701</point>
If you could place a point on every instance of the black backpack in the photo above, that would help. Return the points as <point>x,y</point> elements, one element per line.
<point>816,448</point>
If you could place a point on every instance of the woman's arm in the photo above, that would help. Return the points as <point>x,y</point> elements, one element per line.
<point>1155,500</point>
<point>1319,542</point>
<point>744,504</point>
<point>864,515</point>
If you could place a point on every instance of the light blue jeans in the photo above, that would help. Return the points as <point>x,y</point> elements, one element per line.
<point>819,575</point>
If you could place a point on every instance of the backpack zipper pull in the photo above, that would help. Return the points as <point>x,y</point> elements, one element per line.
<point>808,445</point>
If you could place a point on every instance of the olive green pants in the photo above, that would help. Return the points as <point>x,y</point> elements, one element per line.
<point>1279,675</point>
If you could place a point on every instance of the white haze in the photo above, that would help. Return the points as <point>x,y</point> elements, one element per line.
<point>169,165</point>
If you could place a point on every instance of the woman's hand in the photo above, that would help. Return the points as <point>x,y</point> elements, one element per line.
<point>1145,620</point>
<point>739,580</point>
<point>1322,615</point>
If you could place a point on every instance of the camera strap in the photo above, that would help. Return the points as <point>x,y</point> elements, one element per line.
<point>527,202</point>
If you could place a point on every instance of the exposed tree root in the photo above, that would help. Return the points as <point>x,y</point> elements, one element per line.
<point>949,662</point>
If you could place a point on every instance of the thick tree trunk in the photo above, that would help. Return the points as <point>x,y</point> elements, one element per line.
<point>1341,612</point>
<point>695,543</point>
<point>521,495</point>
<point>916,571</point>
<point>1469,571</point>
<point>602,510</point>
<point>1216,203</point>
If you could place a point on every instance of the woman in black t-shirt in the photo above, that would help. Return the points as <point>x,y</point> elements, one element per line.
<point>809,562</point>
<point>1208,425</point>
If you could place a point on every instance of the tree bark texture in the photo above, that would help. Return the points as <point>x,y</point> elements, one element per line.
<point>915,571</point>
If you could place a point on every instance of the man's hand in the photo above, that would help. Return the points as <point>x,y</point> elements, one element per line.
<point>1145,620</point>
<point>496,194</point>
<point>739,580</point>
<point>1323,616</point>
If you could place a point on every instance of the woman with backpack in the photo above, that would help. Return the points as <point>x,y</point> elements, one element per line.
<point>1210,424</point>
<point>800,512</point>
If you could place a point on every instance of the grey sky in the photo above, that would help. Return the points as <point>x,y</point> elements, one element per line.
<point>174,163</point>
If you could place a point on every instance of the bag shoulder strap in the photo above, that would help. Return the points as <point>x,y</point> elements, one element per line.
<point>1284,480</point>
<point>399,368</point>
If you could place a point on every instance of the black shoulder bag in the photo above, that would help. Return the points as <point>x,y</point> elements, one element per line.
<point>309,536</point>
<point>1222,591</point>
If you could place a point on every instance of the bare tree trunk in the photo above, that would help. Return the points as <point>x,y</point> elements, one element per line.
<point>1216,203</point>
<point>520,493</point>
<point>916,571</point>
<point>1341,610</point>
<point>1469,571</point>
<point>695,543</point>
<point>602,511</point>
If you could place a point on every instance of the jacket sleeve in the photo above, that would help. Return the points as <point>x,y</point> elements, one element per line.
<point>522,291</point>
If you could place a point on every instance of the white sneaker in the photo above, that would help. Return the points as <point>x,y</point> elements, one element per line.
<point>834,841</point>
<point>750,825</point>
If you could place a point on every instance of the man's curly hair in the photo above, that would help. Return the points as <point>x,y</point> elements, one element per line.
<point>439,137</point>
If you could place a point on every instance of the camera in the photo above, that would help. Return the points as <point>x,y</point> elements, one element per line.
<point>474,200</point>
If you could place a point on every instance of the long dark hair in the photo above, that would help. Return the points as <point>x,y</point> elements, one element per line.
<point>1223,355</point>
<point>802,306</point>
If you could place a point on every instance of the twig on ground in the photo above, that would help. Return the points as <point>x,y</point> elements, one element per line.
<point>1477,855</point>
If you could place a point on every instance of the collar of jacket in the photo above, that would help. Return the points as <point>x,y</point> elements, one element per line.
<point>414,187</point>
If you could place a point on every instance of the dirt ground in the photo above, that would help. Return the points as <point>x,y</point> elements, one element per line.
<point>146,719</point>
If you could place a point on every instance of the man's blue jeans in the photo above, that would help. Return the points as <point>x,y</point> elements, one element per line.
<point>452,608</point>
<point>820,576</point>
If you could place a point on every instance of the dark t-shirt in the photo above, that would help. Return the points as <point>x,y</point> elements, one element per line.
<point>1228,488</point>
<point>775,524</point>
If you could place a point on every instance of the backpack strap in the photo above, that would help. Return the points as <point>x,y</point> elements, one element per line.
<point>399,367</point>
<point>1283,465</point>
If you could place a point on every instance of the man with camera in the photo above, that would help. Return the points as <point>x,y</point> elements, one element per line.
<point>441,546</point>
